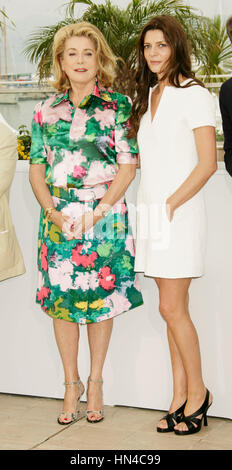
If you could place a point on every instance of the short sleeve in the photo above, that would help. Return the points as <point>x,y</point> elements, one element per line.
<point>200,107</point>
<point>126,149</point>
<point>37,151</point>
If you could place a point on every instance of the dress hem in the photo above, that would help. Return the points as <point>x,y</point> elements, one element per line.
<point>168,276</point>
<point>89,322</point>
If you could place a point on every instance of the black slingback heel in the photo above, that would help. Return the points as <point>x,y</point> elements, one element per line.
<point>172,419</point>
<point>192,421</point>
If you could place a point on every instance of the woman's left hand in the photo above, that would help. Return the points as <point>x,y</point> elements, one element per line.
<point>82,225</point>
<point>170,210</point>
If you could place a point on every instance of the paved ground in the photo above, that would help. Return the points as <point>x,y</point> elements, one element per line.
<point>30,423</point>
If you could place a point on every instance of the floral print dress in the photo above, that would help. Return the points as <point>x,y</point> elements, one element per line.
<point>90,279</point>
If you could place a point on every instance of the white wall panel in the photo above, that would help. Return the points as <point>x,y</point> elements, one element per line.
<point>137,370</point>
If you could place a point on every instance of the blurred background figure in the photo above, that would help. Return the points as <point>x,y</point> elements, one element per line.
<point>11,260</point>
<point>225,99</point>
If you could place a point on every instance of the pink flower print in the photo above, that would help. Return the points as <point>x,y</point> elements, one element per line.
<point>79,171</point>
<point>98,173</point>
<point>111,105</point>
<point>117,304</point>
<point>82,281</point>
<point>83,260</point>
<point>86,281</point>
<point>137,283</point>
<point>74,210</point>
<point>61,275</point>
<point>56,201</point>
<point>106,118</point>
<point>111,139</point>
<point>60,111</point>
<point>78,126</point>
<point>106,278</point>
<point>44,293</point>
<point>97,89</point>
<point>66,166</point>
<point>61,170</point>
<point>53,257</point>
<point>93,280</point>
<point>43,257</point>
<point>130,246</point>
<point>123,208</point>
<point>38,117</point>
<point>50,154</point>
<point>121,144</point>
<point>40,280</point>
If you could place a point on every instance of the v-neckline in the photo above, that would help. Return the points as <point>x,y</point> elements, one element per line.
<point>152,119</point>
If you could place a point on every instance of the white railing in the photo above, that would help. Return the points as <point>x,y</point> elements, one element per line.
<point>23,86</point>
<point>29,84</point>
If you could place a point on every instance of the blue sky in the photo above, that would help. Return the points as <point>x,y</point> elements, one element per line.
<point>28,15</point>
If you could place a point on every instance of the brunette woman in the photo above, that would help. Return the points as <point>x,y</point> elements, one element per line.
<point>175,119</point>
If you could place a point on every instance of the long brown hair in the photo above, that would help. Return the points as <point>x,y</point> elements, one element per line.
<point>178,64</point>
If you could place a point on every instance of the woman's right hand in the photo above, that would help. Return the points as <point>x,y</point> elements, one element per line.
<point>63,222</point>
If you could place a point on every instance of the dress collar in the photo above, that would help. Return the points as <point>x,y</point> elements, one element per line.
<point>98,92</point>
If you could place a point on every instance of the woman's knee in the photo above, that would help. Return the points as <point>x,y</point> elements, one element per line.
<point>172,311</point>
<point>167,310</point>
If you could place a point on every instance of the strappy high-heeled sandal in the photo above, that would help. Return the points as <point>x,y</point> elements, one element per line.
<point>69,416</point>
<point>94,412</point>
<point>172,419</point>
<point>192,421</point>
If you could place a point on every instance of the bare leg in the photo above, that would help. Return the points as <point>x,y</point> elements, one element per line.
<point>180,386</point>
<point>179,376</point>
<point>99,335</point>
<point>67,338</point>
<point>183,341</point>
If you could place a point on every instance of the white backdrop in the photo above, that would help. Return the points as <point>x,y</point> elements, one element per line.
<point>137,371</point>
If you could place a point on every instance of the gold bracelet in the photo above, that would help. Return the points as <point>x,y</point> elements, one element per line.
<point>48,212</point>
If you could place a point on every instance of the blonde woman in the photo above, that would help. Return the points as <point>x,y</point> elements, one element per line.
<point>81,165</point>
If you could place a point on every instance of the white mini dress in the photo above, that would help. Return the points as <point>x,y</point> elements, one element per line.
<point>168,155</point>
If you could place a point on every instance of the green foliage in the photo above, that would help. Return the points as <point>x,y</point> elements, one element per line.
<point>24,143</point>
<point>121,27</point>
<point>5,17</point>
<point>217,54</point>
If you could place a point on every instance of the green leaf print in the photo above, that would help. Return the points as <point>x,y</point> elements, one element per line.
<point>104,250</point>
<point>60,312</point>
<point>126,264</point>
<point>52,129</point>
<point>55,234</point>
<point>91,137</point>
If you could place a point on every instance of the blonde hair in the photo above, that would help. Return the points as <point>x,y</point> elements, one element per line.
<point>107,61</point>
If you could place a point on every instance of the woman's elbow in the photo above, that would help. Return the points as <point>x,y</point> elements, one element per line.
<point>213,168</point>
<point>132,173</point>
<point>30,175</point>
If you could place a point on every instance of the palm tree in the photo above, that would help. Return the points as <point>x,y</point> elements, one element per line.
<point>4,16</point>
<point>217,55</point>
<point>5,22</point>
<point>121,27</point>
